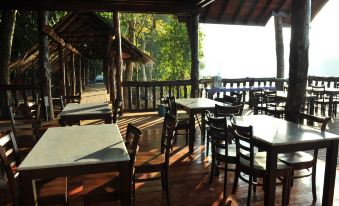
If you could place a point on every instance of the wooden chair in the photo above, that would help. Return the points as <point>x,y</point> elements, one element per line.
<point>274,106</point>
<point>236,110</point>
<point>223,151</point>
<point>72,99</point>
<point>158,162</point>
<point>183,120</point>
<point>258,102</point>
<point>319,92</point>
<point>117,110</point>
<point>227,99</point>
<point>253,163</point>
<point>303,160</point>
<point>104,187</point>
<point>49,192</point>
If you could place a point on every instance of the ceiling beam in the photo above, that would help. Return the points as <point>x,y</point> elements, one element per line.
<point>253,7</point>
<point>223,10</point>
<point>237,12</point>
<point>264,11</point>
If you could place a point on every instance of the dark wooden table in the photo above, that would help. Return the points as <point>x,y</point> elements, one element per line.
<point>75,112</point>
<point>279,136</point>
<point>196,106</point>
<point>311,98</point>
<point>72,151</point>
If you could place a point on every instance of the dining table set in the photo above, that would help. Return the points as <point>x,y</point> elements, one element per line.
<point>77,150</point>
<point>275,136</point>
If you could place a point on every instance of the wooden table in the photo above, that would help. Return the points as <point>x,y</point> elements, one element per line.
<point>72,151</point>
<point>279,136</point>
<point>310,97</point>
<point>75,112</point>
<point>196,106</point>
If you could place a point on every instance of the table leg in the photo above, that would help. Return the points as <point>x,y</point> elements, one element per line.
<point>191,132</point>
<point>330,170</point>
<point>330,105</point>
<point>27,186</point>
<point>125,184</point>
<point>269,187</point>
<point>203,127</point>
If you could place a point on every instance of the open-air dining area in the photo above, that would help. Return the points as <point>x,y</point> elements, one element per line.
<point>103,103</point>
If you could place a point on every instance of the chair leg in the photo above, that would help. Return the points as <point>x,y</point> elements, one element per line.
<point>175,136</point>
<point>286,189</point>
<point>314,188</point>
<point>187,135</point>
<point>254,186</point>
<point>133,191</point>
<point>225,180</point>
<point>249,190</point>
<point>212,168</point>
<point>165,174</point>
<point>236,178</point>
<point>207,143</point>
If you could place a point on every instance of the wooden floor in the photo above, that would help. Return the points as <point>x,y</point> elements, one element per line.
<point>189,173</point>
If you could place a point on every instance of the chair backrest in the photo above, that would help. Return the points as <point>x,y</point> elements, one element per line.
<point>9,160</point>
<point>228,110</point>
<point>72,99</point>
<point>243,136</point>
<point>172,106</point>
<point>117,108</point>
<point>237,95</point>
<point>319,119</point>
<point>132,140</point>
<point>318,91</point>
<point>168,130</point>
<point>227,99</point>
<point>219,133</point>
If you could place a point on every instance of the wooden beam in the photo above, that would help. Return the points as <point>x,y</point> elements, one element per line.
<point>62,68</point>
<point>279,45</point>
<point>207,10</point>
<point>237,12</point>
<point>281,4</point>
<point>79,75</point>
<point>248,16</point>
<point>72,76</point>
<point>51,33</point>
<point>118,56</point>
<point>300,27</point>
<point>223,10</point>
<point>45,65</point>
<point>264,11</point>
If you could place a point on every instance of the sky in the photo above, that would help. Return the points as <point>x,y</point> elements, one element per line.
<point>249,51</point>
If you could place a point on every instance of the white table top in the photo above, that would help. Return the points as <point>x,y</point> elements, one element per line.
<point>77,145</point>
<point>199,103</point>
<point>84,109</point>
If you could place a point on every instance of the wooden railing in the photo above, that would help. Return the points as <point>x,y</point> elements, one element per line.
<point>332,82</point>
<point>145,96</point>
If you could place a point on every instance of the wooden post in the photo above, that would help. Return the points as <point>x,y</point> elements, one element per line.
<point>279,48</point>
<point>192,24</point>
<point>105,73</point>
<point>45,65</point>
<point>300,27</point>
<point>73,79</point>
<point>68,75</point>
<point>83,69</point>
<point>111,76</point>
<point>6,38</point>
<point>87,73</point>
<point>62,71</point>
<point>118,57</point>
<point>79,75</point>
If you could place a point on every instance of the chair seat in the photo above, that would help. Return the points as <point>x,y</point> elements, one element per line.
<point>149,161</point>
<point>232,153</point>
<point>295,158</point>
<point>260,162</point>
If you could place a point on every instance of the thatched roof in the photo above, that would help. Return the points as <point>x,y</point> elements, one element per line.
<point>87,32</point>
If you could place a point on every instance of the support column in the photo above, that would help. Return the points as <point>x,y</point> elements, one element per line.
<point>73,79</point>
<point>62,71</point>
<point>79,76</point>
<point>279,48</point>
<point>45,65</point>
<point>118,56</point>
<point>105,73</point>
<point>83,69</point>
<point>300,27</point>
<point>192,24</point>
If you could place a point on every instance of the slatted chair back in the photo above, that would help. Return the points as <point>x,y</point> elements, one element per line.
<point>318,91</point>
<point>72,99</point>
<point>117,109</point>
<point>228,110</point>
<point>172,106</point>
<point>312,118</point>
<point>9,161</point>
<point>220,122</point>
<point>244,142</point>
<point>227,99</point>
<point>258,102</point>
<point>168,130</point>
<point>238,96</point>
<point>132,140</point>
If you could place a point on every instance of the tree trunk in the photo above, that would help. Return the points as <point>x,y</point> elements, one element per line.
<point>62,71</point>
<point>45,65</point>
<point>301,16</point>
<point>6,38</point>
<point>279,48</point>
<point>193,35</point>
